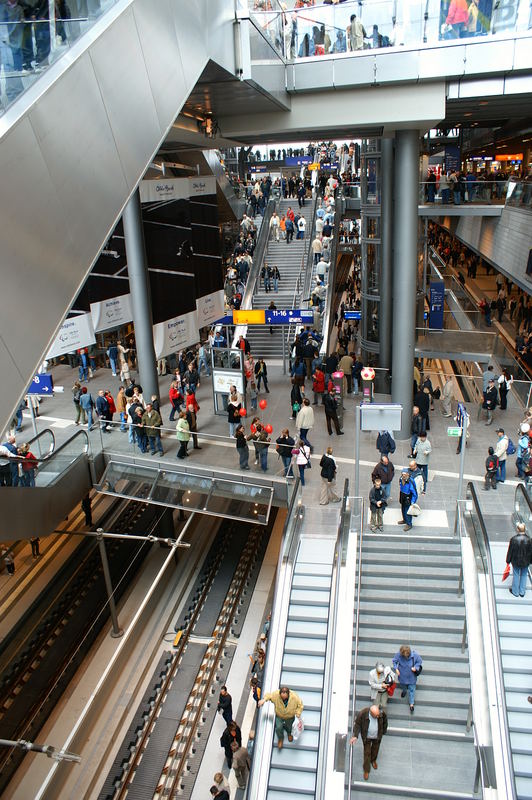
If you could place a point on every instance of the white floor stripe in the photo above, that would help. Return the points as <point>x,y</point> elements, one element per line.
<point>429,517</point>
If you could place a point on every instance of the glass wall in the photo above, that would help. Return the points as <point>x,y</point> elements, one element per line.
<point>305,29</point>
<point>370,247</point>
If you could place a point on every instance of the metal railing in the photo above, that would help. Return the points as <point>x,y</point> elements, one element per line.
<point>325,721</point>
<point>492,738</point>
<point>260,767</point>
<point>467,192</point>
<point>326,325</point>
<point>349,753</point>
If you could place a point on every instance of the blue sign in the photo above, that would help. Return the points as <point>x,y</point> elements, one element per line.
<point>297,161</point>
<point>260,168</point>
<point>41,384</point>
<point>452,158</point>
<point>227,320</point>
<point>287,316</point>
<point>437,298</point>
<point>352,314</point>
<point>461,412</point>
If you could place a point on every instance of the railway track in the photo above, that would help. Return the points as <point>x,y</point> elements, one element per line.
<point>176,698</point>
<point>41,655</point>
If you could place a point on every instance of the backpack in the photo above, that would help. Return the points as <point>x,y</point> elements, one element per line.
<point>510,450</point>
<point>493,464</point>
<point>77,396</point>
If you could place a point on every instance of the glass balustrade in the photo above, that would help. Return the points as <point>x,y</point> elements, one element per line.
<point>303,29</point>
<point>32,39</point>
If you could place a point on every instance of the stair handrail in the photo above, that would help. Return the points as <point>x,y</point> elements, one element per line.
<point>338,561</point>
<point>522,498</point>
<point>291,537</point>
<point>254,273</point>
<point>357,637</point>
<point>490,711</point>
<point>35,440</point>
<point>302,286</point>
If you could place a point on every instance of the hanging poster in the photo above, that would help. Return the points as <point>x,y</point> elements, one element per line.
<point>210,308</point>
<point>74,333</point>
<point>172,335</point>
<point>111,313</point>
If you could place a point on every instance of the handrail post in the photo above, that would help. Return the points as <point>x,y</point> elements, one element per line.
<point>461,581</point>
<point>469,720</point>
<point>117,630</point>
<point>464,636</point>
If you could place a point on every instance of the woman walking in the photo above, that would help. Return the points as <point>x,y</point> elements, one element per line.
<point>183,434</point>
<point>233,413</point>
<point>505,382</point>
<point>305,421</point>
<point>242,447</point>
<point>303,459</point>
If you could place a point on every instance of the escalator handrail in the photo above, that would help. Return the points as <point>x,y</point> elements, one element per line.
<point>483,546</point>
<point>357,636</point>
<point>260,768</point>
<point>48,432</point>
<point>332,624</point>
<point>62,447</point>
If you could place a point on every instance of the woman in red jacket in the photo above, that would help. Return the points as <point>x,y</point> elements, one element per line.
<point>29,465</point>
<point>458,17</point>
<point>190,400</point>
<point>318,385</point>
<point>176,399</point>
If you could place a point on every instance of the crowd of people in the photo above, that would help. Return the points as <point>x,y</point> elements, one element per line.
<point>457,187</point>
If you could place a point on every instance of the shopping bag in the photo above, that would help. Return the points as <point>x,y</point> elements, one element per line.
<point>414,510</point>
<point>506,572</point>
<point>297,728</point>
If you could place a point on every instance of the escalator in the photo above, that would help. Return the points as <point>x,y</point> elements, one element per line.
<point>499,631</point>
<point>73,148</point>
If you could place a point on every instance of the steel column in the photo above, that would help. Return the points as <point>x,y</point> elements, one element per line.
<point>385,288</point>
<point>406,175</point>
<point>140,296</point>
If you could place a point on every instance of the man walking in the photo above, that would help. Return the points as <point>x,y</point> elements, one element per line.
<point>422,452</point>
<point>385,471</point>
<point>331,413</point>
<point>152,422</point>
<point>519,555</point>
<point>377,504</point>
<point>261,374</point>
<point>328,479</point>
<point>288,705</point>
<point>371,724</point>
<point>501,449</point>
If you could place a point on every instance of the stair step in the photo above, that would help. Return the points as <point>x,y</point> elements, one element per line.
<point>419,624</point>
<point>518,682</point>
<point>303,783</point>
<point>304,568</point>
<point>295,680</point>
<point>304,760</point>
<point>522,665</point>
<point>312,630</point>
<point>515,628</point>
<point>419,597</point>
<point>314,582</point>
<point>423,638</point>
<point>310,597</point>
<point>524,788</point>
<point>304,662</point>
<point>414,585</point>
<point>308,613</point>
<point>413,610</point>
<point>515,645</point>
<point>521,742</point>
<point>298,644</point>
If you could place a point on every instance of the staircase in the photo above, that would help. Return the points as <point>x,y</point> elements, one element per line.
<point>515,635</point>
<point>293,769</point>
<point>409,596</point>
<point>288,258</point>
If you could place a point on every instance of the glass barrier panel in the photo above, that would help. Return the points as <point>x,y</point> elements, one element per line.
<point>519,195</point>
<point>370,321</point>
<point>31,39</point>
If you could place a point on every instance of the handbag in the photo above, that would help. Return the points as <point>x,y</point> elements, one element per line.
<point>390,689</point>
<point>414,510</point>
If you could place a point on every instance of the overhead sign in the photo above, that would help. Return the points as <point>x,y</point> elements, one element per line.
<point>154,191</point>
<point>111,313</point>
<point>174,334</point>
<point>74,333</point>
<point>380,416</point>
<point>209,307</point>
<point>297,161</point>
<point>227,320</point>
<point>352,314</point>
<point>41,384</point>
<point>289,316</point>
<point>254,316</point>
<point>509,157</point>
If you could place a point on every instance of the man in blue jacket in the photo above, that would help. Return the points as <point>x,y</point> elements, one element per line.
<point>408,664</point>
<point>407,496</point>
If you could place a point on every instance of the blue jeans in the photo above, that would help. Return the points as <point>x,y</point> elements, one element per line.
<point>386,488</point>
<point>263,458</point>
<point>407,518</point>
<point>519,581</point>
<point>275,284</point>
<point>302,468</point>
<point>19,419</point>
<point>456,196</point>
<point>112,361</point>
<point>287,460</point>
<point>122,420</point>
<point>28,478</point>
<point>519,463</point>
<point>232,428</point>
<point>203,363</point>
<point>243,454</point>
<point>501,472</point>
<point>303,436</point>
<point>90,418</point>
<point>155,444</point>
<point>411,689</point>
<point>413,441</point>
<point>425,472</point>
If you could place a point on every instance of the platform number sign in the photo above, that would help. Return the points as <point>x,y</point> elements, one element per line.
<point>41,384</point>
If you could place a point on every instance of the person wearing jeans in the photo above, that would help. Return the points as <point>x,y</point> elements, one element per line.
<point>407,496</point>
<point>500,451</point>
<point>407,663</point>
<point>519,555</point>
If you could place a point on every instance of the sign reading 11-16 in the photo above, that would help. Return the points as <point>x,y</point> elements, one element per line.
<point>287,316</point>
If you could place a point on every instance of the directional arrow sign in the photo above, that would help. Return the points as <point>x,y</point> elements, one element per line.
<point>41,384</point>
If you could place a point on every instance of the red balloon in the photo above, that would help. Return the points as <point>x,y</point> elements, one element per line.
<point>268,428</point>
<point>242,412</point>
<point>263,404</point>
<point>252,428</point>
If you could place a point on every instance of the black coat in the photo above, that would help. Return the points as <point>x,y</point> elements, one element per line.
<point>328,468</point>
<point>362,724</point>
<point>519,551</point>
<point>329,403</point>
<point>226,739</point>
